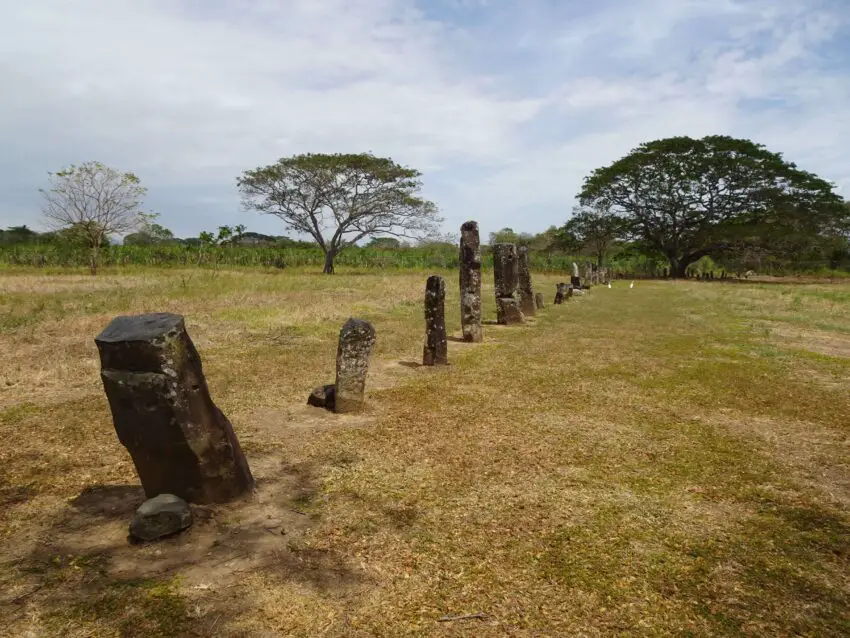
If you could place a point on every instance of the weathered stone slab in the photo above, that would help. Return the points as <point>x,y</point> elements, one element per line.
<point>436,350</point>
<point>159,517</point>
<point>538,300</point>
<point>505,269</point>
<point>470,282</point>
<point>180,442</point>
<point>356,341</point>
<point>525,288</point>
<point>508,311</point>
<point>506,280</point>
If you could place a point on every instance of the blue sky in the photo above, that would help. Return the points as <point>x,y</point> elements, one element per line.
<point>504,105</point>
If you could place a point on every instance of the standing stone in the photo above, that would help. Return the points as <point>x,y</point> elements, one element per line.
<point>575,280</point>
<point>470,283</point>
<point>538,300</point>
<point>588,276</point>
<point>356,341</point>
<point>436,346</point>
<point>526,290</point>
<point>506,277</point>
<point>180,442</point>
<point>561,292</point>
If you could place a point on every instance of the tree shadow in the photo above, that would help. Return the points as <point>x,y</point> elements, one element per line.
<point>109,501</point>
<point>84,554</point>
<point>410,364</point>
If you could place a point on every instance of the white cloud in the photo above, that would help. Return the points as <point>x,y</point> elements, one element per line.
<point>505,107</point>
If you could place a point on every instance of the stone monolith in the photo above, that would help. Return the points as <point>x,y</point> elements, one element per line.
<point>506,279</point>
<point>436,346</point>
<point>525,288</point>
<point>356,341</point>
<point>180,442</point>
<point>470,282</point>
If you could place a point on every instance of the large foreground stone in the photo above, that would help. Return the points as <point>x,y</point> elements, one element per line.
<point>470,282</point>
<point>180,442</point>
<point>160,516</point>
<point>356,341</point>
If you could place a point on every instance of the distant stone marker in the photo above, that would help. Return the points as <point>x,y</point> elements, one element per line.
<point>470,282</point>
<point>575,280</point>
<point>180,442</point>
<point>561,293</point>
<point>356,341</point>
<point>436,346</point>
<point>538,300</point>
<point>526,290</point>
<point>506,277</point>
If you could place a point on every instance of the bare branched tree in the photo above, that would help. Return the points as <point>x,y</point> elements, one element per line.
<point>340,199</point>
<point>91,202</point>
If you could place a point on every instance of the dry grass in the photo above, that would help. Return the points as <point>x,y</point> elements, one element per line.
<point>668,460</point>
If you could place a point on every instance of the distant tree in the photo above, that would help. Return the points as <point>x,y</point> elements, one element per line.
<point>340,199</point>
<point>687,198</point>
<point>15,235</point>
<point>384,242</point>
<point>595,229</point>
<point>150,233</point>
<point>92,202</point>
<point>509,236</point>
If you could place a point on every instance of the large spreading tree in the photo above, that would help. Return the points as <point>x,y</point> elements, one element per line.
<point>688,198</point>
<point>340,199</point>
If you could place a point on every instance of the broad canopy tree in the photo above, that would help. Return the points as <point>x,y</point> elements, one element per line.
<point>340,199</point>
<point>688,198</point>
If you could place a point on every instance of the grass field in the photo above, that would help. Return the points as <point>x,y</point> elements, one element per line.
<point>668,460</point>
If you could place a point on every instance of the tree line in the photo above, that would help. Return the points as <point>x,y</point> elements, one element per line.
<point>679,200</point>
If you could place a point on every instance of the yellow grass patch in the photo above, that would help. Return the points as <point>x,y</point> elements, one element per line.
<point>656,461</point>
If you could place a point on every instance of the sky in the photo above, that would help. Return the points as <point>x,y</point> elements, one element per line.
<point>504,105</point>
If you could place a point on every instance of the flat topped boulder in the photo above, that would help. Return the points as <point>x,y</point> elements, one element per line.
<point>147,327</point>
<point>142,343</point>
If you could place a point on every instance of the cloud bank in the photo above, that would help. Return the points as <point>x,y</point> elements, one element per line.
<point>505,106</point>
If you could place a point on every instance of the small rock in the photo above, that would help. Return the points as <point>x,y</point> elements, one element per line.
<point>323,397</point>
<point>160,516</point>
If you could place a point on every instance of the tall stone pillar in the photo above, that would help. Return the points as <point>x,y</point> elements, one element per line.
<point>436,346</point>
<point>470,282</point>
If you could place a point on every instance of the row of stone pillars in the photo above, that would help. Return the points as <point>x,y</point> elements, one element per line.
<point>182,444</point>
